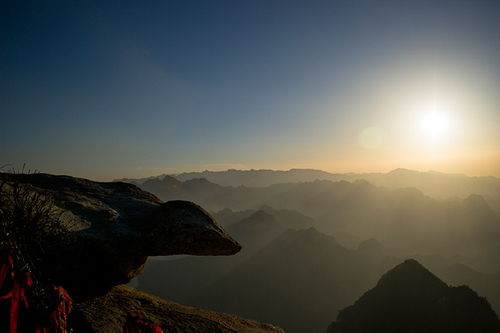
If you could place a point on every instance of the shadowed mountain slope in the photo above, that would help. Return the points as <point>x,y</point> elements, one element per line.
<point>409,298</point>
<point>297,281</point>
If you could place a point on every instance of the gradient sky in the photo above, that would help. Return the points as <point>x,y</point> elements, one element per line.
<point>112,89</point>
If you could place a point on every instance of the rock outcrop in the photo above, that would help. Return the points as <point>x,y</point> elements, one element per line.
<point>113,227</point>
<point>105,232</point>
<point>411,299</point>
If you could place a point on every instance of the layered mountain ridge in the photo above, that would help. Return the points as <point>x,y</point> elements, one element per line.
<point>435,184</point>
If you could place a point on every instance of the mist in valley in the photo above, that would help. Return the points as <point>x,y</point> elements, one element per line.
<point>313,246</point>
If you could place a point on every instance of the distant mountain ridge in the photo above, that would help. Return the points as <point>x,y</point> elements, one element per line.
<point>402,218</point>
<point>433,183</point>
<point>252,177</point>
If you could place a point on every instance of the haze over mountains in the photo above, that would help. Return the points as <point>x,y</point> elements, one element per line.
<point>298,281</point>
<point>404,219</point>
<point>312,247</point>
<point>436,184</point>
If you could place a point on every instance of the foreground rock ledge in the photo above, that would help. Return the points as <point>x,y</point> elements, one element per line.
<point>107,314</point>
<point>111,228</point>
<point>105,232</point>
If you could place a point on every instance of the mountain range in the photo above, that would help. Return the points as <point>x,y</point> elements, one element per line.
<point>312,247</point>
<point>433,183</point>
<point>403,219</point>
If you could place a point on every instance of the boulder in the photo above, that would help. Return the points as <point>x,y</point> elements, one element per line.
<point>111,228</point>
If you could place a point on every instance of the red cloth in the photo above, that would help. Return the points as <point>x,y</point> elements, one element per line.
<point>57,321</point>
<point>17,292</point>
<point>137,324</point>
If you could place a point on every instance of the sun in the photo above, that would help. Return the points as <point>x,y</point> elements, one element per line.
<point>435,124</point>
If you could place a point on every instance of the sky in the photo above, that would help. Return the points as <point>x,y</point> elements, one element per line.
<point>112,89</point>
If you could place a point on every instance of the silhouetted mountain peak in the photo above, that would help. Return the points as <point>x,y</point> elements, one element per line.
<point>200,185</point>
<point>170,180</point>
<point>261,216</point>
<point>166,180</point>
<point>256,230</point>
<point>259,220</point>
<point>410,274</point>
<point>410,299</point>
<point>162,185</point>
<point>402,172</point>
<point>309,233</point>
<point>309,238</point>
<point>481,213</point>
<point>199,182</point>
<point>152,181</point>
<point>370,246</point>
<point>476,201</point>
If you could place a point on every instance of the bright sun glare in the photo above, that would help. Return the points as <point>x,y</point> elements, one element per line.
<point>435,124</point>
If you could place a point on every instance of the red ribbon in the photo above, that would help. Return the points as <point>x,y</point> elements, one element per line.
<point>57,321</point>
<point>137,324</point>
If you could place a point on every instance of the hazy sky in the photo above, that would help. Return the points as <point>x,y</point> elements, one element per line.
<point>114,88</point>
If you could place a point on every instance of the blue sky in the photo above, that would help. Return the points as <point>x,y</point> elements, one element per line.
<point>109,89</point>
